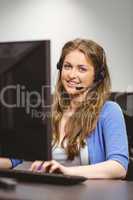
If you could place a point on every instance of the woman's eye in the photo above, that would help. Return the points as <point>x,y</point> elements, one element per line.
<point>67,66</point>
<point>82,69</point>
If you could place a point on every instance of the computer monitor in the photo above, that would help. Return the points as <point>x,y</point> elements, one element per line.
<point>25,100</point>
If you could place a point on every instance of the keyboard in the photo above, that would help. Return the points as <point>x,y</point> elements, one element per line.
<point>41,177</point>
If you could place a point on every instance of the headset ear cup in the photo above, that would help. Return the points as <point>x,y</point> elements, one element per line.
<point>58,66</point>
<point>100,76</point>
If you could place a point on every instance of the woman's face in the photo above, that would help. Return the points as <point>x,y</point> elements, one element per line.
<point>77,72</point>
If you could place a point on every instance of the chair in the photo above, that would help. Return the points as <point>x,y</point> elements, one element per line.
<point>129,176</point>
<point>127,108</point>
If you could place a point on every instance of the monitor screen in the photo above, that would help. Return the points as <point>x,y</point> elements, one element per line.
<point>25,99</point>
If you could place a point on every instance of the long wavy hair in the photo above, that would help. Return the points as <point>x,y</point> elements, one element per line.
<point>84,120</point>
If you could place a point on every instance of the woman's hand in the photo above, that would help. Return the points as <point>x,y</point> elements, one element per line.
<point>105,170</point>
<point>50,167</point>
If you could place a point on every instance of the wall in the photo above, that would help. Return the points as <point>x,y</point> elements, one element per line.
<point>109,22</point>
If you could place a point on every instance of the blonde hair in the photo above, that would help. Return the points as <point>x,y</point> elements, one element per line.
<point>84,120</point>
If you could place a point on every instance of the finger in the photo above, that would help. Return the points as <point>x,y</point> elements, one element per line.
<point>46,166</point>
<point>35,165</point>
<point>32,166</point>
<point>55,168</point>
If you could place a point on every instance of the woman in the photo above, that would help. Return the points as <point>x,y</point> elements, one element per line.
<point>89,134</point>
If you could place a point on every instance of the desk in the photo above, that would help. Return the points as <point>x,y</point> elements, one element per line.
<point>89,190</point>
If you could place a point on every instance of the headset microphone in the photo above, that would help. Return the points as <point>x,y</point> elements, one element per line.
<point>80,88</point>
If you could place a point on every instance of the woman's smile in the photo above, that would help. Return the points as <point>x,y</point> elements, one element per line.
<point>72,83</point>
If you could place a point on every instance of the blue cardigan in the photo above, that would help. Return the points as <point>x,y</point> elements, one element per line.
<point>109,139</point>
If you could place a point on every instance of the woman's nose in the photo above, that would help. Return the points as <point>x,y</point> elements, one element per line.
<point>72,73</point>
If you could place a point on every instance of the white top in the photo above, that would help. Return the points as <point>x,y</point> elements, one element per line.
<point>59,154</point>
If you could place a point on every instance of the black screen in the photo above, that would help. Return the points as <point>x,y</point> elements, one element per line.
<point>25,125</point>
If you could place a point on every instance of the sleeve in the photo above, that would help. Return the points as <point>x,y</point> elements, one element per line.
<point>15,162</point>
<point>115,135</point>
